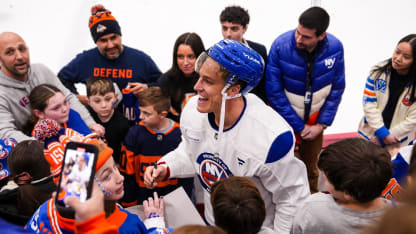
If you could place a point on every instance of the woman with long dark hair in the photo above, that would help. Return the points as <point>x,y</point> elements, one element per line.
<point>389,98</point>
<point>180,79</point>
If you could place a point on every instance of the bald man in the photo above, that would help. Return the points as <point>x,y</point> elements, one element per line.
<point>17,78</point>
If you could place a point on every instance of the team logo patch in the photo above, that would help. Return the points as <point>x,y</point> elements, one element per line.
<point>211,170</point>
<point>24,101</point>
<point>406,101</point>
<point>380,85</point>
<point>10,142</point>
<point>101,28</point>
<point>3,174</point>
<point>3,152</point>
<point>329,63</point>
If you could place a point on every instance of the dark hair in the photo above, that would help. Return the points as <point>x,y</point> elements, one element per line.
<point>315,18</point>
<point>357,167</point>
<point>176,78</point>
<point>40,95</point>
<point>156,97</point>
<point>238,205</point>
<point>27,164</point>
<point>99,86</point>
<point>235,15</point>
<point>198,229</point>
<point>38,99</point>
<point>379,70</point>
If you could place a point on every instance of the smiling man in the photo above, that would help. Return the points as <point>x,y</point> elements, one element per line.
<point>111,59</point>
<point>305,81</point>
<point>17,79</point>
<point>228,132</point>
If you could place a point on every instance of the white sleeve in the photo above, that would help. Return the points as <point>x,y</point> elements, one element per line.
<point>407,126</point>
<point>285,178</point>
<point>371,109</point>
<point>179,161</point>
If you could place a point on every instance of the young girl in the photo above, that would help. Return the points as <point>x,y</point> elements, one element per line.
<point>35,183</point>
<point>48,102</point>
<point>389,98</point>
<point>49,218</point>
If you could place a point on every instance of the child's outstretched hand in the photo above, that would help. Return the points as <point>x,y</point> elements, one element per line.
<point>154,207</point>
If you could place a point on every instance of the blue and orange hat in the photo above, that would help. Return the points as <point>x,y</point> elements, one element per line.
<point>102,22</point>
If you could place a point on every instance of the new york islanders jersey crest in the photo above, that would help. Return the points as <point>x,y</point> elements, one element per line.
<point>211,170</point>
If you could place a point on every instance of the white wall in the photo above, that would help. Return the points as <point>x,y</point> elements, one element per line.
<point>57,30</point>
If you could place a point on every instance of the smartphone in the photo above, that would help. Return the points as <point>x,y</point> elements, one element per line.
<point>77,175</point>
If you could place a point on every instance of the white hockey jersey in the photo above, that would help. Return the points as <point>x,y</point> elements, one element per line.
<point>259,145</point>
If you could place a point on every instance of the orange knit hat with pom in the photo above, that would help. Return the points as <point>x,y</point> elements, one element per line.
<point>102,22</point>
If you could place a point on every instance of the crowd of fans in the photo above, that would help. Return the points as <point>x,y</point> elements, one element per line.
<point>234,124</point>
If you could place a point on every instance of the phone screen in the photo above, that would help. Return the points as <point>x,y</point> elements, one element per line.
<point>77,173</point>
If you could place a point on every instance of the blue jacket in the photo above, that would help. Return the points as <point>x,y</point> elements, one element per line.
<point>286,75</point>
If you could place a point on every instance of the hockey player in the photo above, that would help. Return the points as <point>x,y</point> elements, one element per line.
<point>227,132</point>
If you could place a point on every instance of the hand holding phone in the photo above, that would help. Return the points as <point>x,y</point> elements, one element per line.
<point>90,208</point>
<point>77,174</point>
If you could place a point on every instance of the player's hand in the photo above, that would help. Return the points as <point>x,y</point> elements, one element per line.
<point>390,139</point>
<point>83,99</point>
<point>137,88</point>
<point>88,209</point>
<point>151,177</point>
<point>310,132</point>
<point>154,207</point>
<point>97,128</point>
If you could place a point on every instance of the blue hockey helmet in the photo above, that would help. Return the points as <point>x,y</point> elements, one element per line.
<point>241,61</point>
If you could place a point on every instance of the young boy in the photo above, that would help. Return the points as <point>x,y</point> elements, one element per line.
<point>101,99</point>
<point>356,172</point>
<point>238,206</point>
<point>146,143</point>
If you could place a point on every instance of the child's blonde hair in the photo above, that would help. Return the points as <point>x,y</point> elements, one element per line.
<point>99,86</point>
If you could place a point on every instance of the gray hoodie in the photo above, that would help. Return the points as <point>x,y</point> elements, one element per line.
<point>14,100</point>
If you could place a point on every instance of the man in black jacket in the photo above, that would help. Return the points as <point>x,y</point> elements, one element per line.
<point>234,23</point>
